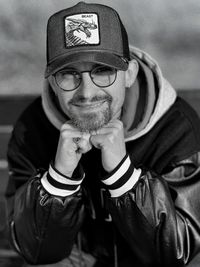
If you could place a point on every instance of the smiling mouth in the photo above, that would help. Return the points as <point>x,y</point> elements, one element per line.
<point>90,105</point>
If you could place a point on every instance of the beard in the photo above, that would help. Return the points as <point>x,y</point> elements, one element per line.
<point>92,121</point>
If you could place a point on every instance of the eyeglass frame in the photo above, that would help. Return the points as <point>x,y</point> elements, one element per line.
<point>80,74</point>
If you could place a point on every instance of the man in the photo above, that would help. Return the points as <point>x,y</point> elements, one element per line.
<point>104,171</point>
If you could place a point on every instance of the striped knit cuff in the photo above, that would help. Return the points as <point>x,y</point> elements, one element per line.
<point>58,184</point>
<point>123,178</point>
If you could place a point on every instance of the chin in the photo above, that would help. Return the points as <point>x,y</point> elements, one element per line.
<point>91,121</point>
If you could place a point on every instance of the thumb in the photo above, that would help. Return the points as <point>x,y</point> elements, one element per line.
<point>84,146</point>
<point>97,141</point>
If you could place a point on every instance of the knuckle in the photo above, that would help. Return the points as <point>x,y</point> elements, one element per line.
<point>64,126</point>
<point>63,135</point>
<point>120,124</point>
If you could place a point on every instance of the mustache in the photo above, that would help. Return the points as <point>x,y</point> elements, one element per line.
<point>82,99</point>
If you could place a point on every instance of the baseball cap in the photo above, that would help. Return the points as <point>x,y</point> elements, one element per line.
<point>86,32</point>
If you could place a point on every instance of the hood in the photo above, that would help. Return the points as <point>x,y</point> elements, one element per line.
<point>145,103</point>
<point>156,97</point>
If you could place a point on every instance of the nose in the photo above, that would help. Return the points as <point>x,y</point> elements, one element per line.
<point>87,88</point>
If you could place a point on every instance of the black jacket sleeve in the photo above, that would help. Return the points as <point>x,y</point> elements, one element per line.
<point>162,223</point>
<point>43,226</point>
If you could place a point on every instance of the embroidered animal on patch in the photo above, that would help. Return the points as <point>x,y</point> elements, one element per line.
<point>79,31</point>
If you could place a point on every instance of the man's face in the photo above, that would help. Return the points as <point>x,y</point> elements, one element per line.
<point>89,106</point>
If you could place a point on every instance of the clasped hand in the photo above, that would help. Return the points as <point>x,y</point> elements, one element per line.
<point>73,143</point>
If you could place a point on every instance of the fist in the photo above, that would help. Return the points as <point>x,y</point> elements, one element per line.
<point>72,144</point>
<point>110,139</point>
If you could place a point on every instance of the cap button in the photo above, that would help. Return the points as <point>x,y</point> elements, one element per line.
<point>81,3</point>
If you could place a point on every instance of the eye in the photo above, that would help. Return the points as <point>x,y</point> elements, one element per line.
<point>103,76</point>
<point>103,70</point>
<point>68,72</point>
<point>68,79</point>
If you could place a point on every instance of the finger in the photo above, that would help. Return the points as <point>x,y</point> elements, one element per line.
<point>112,126</point>
<point>76,140</point>
<point>70,135</point>
<point>104,130</point>
<point>67,132</point>
<point>86,136</point>
<point>83,146</point>
<point>109,131</point>
<point>114,123</point>
<point>68,126</point>
<point>99,141</point>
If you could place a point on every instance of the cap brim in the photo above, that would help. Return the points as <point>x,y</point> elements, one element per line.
<point>86,56</point>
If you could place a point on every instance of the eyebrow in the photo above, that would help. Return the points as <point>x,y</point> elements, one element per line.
<point>95,65</point>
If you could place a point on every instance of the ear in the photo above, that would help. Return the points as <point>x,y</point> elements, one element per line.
<point>131,73</point>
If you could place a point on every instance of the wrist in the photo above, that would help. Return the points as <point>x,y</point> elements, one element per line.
<point>62,169</point>
<point>56,183</point>
<point>122,179</point>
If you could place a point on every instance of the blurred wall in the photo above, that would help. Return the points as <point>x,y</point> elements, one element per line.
<point>168,30</point>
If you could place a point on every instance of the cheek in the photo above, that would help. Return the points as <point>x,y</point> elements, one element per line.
<point>63,97</point>
<point>119,95</point>
<point>118,100</point>
<point>64,101</point>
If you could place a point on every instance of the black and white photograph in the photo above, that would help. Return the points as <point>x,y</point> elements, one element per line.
<point>99,133</point>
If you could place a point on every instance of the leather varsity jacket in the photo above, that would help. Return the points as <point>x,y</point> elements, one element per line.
<point>145,213</point>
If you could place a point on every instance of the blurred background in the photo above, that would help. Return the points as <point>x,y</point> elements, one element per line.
<point>168,30</point>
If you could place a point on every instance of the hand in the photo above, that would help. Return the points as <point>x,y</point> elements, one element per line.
<point>110,139</point>
<point>72,144</point>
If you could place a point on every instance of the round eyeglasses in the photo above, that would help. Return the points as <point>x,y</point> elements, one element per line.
<point>70,79</point>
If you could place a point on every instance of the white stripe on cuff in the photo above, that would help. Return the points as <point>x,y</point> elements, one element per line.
<point>61,179</point>
<point>54,190</point>
<point>128,185</point>
<point>119,173</point>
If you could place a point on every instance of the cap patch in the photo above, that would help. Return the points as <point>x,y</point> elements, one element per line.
<point>81,29</point>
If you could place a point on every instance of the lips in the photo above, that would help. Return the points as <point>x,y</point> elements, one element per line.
<point>89,105</point>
